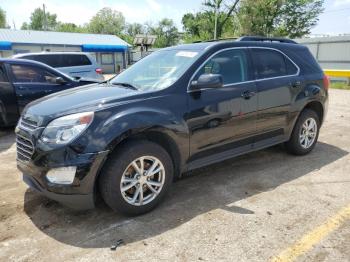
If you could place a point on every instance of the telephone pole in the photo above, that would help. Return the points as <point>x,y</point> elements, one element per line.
<point>216,19</point>
<point>45,22</point>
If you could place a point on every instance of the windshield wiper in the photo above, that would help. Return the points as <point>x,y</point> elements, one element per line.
<point>127,85</point>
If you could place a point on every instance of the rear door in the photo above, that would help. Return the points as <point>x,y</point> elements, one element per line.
<point>8,102</point>
<point>32,82</point>
<point>76,65</point>
<point>277,82</point>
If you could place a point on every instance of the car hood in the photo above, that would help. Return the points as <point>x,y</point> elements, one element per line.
<point>80,99</point>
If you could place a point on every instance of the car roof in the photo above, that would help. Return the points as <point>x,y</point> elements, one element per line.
<point>21,61</point>
<point>50,53</point>
<point>201,46</point>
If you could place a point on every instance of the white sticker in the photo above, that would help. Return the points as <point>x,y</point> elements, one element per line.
<point>186,54</point>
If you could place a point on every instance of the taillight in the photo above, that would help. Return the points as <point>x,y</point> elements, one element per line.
<point>98,71</point>
<point>326,82</point>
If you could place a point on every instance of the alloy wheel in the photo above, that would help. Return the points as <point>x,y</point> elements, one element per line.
<point>308,133</point>
<point>142,181</point>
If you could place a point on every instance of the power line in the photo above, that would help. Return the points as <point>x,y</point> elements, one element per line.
<point>336,10</point>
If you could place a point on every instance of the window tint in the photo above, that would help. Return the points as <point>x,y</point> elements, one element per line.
<point>51,60</point>
<point>3,77</point>
<point>270,63</point>
<point>61,60</point>
<point>31,74</point>
<point>231,64</point>
<point>291,68</point>
<point>75,60</point>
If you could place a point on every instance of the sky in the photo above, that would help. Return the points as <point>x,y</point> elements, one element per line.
<point>335,19</point>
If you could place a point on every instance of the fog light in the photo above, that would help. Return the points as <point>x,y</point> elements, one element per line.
<point>62,175</point>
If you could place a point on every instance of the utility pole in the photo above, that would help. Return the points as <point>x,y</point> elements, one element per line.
<point>45,22</point>
<point>216,19</point>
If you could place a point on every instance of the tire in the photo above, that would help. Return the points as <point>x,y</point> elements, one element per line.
<point>296,145</point>
<point>120,166</point>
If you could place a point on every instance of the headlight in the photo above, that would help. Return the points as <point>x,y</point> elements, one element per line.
<point>64,129</point>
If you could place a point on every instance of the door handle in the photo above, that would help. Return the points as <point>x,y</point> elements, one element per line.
<point>296,84</point>
<point>247,94</point>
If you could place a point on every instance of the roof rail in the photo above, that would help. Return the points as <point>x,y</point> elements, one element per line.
<point>266,39</point>
<point>215,40</point>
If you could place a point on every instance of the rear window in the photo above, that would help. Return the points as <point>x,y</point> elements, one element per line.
<point>62,60</point>
<point>270,63</point>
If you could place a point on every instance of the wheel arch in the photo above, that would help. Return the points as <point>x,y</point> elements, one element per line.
<point>317,107</point>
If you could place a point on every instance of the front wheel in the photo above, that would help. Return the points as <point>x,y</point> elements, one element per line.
<point>305,133</point>
<point>136,177</point>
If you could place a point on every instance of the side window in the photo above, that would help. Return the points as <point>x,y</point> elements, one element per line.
<point>3,77</point>
<point>31,74</point>
<point>270,63</point>
<point>51,60</point>
<point>291,68</point>
<point>75,60</point>
<point>231,64</point>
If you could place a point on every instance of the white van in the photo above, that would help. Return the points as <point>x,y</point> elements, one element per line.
<point>75,64</point>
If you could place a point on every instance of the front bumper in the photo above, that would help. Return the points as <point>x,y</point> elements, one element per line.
<point>78,195</point>
<point>77,201</point>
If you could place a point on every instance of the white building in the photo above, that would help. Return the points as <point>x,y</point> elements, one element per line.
<point>110,51</point>
<point>331,52</point>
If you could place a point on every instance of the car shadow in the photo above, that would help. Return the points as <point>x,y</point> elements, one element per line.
<point>218,186</point>
<point>7,138</point>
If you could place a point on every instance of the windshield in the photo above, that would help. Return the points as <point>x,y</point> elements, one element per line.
<point>157,71</point>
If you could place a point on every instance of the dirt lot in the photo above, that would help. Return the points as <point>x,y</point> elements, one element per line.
<point>252,208</point>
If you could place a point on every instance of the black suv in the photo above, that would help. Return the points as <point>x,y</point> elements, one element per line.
<point>178,109</point>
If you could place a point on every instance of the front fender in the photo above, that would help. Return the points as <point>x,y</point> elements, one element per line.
<point>137,120</point>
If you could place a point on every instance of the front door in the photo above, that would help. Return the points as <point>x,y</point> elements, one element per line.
<point>223,120</point>
<point>8,102</point>
<point>32,82</point>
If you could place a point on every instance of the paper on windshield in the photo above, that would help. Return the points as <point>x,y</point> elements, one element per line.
<point>186,54</point>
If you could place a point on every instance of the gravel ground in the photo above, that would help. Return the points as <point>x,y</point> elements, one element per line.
<point>251,208</point>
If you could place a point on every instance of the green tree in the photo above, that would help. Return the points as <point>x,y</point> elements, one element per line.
<point>166,32</point>
<point>2,18</point>
<point>41,21</point>
<point>297,17</point>
<point>198,26</point>
<point>289,18</point>
<point>201,26</point>
<point>225,10</point>
<point>70,27</point>
<point>258,17</point>
<point>131,30</point>
<point>107,21</point>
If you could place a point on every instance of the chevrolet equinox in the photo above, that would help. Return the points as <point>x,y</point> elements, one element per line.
<point>176,110</point>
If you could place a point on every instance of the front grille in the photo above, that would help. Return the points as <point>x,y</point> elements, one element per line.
<point>25,148</point>
<point>28,124</point>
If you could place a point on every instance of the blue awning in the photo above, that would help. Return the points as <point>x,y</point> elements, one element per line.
<point>104,48</point>
<point>5,45</point>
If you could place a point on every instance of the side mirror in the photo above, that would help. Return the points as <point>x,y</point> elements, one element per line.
<point>207,81</point>
<point>59,80</point>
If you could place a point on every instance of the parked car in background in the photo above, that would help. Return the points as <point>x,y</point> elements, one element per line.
<point>178,109</point>
<point>22,81</point>
<point>75,64</point>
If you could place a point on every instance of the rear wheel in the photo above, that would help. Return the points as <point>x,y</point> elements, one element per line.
<point>305,133</point>
<point>136,177</point>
